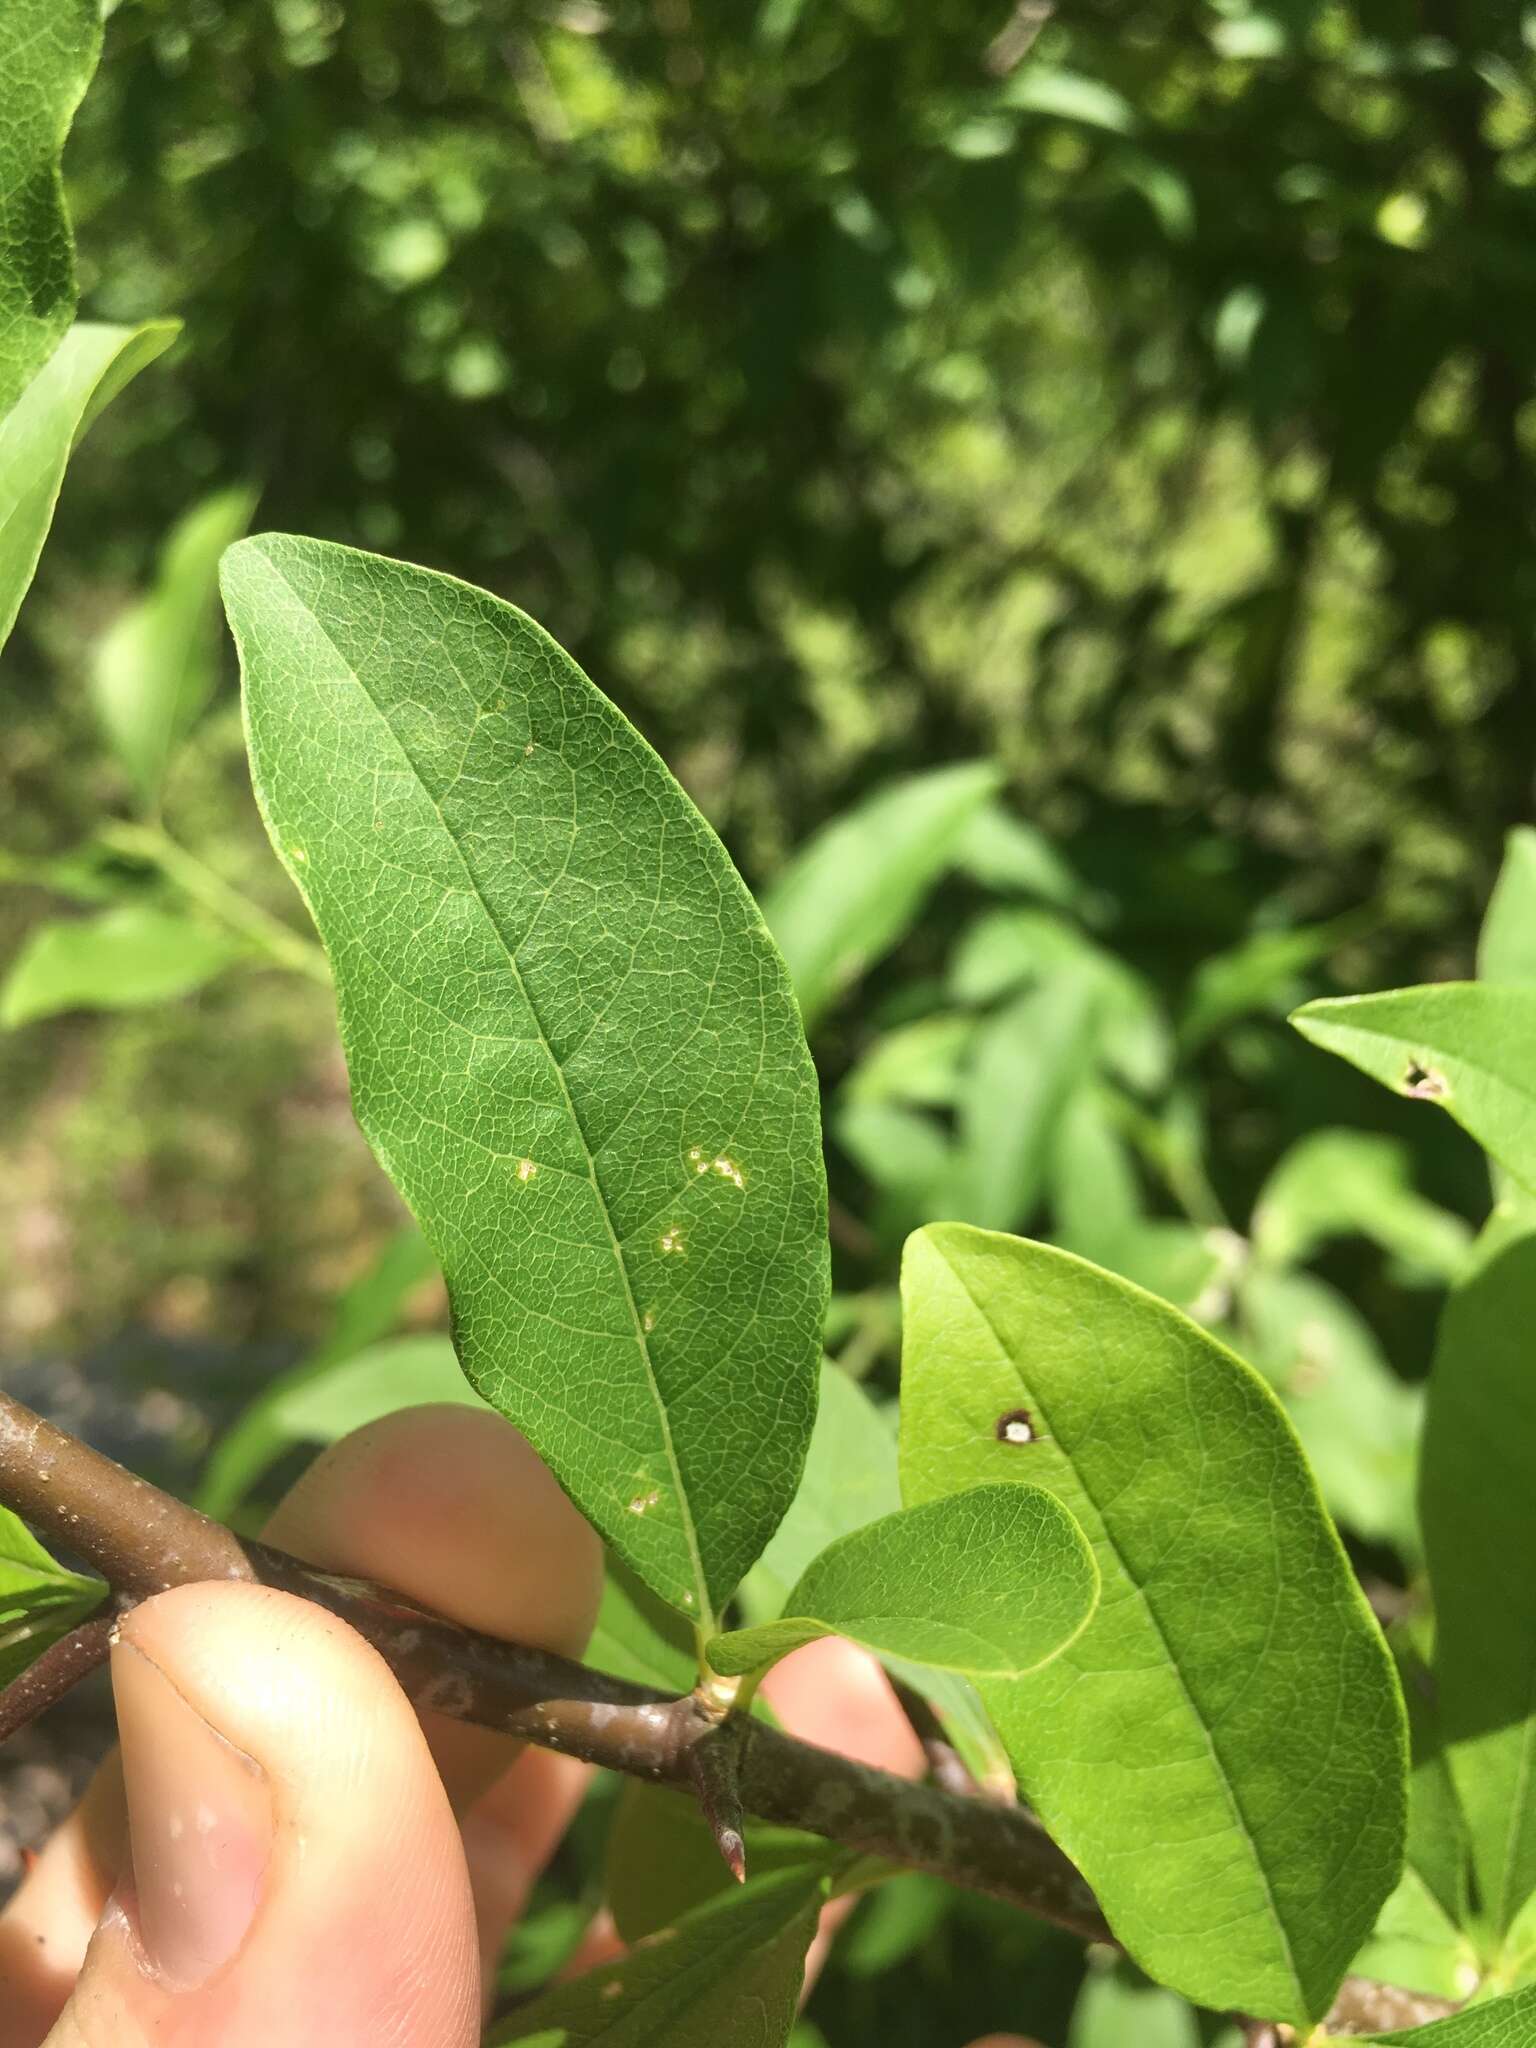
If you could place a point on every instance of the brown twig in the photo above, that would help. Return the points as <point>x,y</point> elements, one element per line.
<point>144,1542</point>
<point>57,1671</point>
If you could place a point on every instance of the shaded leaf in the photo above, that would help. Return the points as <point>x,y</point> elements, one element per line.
<point>663,1860</point>
<point>121,959</point>
<point>1479,1475</point>
<point>1465,1045</point>
<point>39,1600</point>
<point>639,1638</point>
<point>48,51</point>
<point>1501,2023</point>
<point>571,1043</point>
<point>1117,2007</point>
<point>154,669</point>
<point>852,891</point>
<point>993,1582</point>
<point>915,1063</point>
<point>1002,852</point>
<point>1230,1712</point>
<point>730,1971</point>
<point>85,372</point>
<point>1260,974</point>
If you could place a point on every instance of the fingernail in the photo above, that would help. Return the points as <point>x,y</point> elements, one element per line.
<point>199,1823</point>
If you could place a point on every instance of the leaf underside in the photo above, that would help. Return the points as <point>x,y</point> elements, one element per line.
<point>572,1044</point>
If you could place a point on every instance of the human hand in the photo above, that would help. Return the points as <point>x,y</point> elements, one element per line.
<point>282,1851</point>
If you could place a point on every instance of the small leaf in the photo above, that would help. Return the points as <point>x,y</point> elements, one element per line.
<point>48,51</point>
<point>571,1043</point>
<point>1230,1710</point>
<point>1465,1045</point>
<point>155,667</point>
<point>39,1600</point>
<point>850,894</point>
<point>1501,2023</point>
<point>728,1972</point>
<point>365,1312</point>
<point>1047,89</point>
<point>1479,1477</point>
<point>1354,1183</point>
<point>85,372</point>
<point>917,1062</point>
<point>122,959</point>
<point>851,1480</point>
<point>399,1372</point>
<point>993,1582</point>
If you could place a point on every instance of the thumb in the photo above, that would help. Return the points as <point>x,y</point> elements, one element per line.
<point>295,1873</point>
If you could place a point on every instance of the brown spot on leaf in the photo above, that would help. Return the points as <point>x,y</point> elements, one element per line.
<point>1425,1083</point>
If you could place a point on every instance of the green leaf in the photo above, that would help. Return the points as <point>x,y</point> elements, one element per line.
<point>367,1311</point>
<point>39,1600</point>
<point>993,1582</point>
<point>853,890</point>
<point>903,1152</point>
<point>1506,946</point>
<point>400,1372</point>
<point>1479,1475</point>
<point>1463,1044</point>
<point>662,1859</point>
<point>571,1043</point>
<point>156,666</point>
<point>1358,1423</point>
<point>1501,2023</point>
<point>48,50</point>
<point>728,1972</point>
<point>851,1480</point>
<point>639,1638</point>
<point>1047,89</point>
<point>1354,1183</point>
<point>1001,852</point>
<point>1027,1063</point>
<point>121,959</point>
<point>1260,974</point>
<point>85,373</point>
<point>1118,2008</point>
<point>1415,1945</point>
<point>1095,1194</point>
<point>1228,1727</point>
<point>917,1062</point>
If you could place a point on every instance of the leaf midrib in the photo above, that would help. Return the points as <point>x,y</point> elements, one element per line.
<point>1223,1778</point>
<point>705,1613</point>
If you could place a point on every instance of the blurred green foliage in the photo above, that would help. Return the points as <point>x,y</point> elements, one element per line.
<point>1122,417</point>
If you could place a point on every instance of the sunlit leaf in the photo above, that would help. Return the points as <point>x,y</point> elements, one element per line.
<point>1468,1046</point>
<point>993,1582</point>
<point>39,1600</point>
<point>1228,1726</point>
<point>1506,946</point>
<point>1354,1183</point>
<point>570,1038</point>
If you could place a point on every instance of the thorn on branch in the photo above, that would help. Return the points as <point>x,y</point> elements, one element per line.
<point>714,1768</point>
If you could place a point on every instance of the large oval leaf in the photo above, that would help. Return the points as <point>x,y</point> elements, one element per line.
<point>1222,1750</point>
<point>572,1043</point>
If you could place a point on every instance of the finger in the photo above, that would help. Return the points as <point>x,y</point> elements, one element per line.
<point>450,1506</point>
<point>453,1507</point>
<point>836,1695</point>
<point>296,1869</point>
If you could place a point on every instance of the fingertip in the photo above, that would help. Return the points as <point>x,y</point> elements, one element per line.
<point>836,1695</point>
